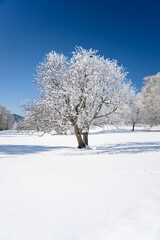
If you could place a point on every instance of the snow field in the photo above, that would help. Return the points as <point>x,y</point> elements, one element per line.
<point>49,190</point>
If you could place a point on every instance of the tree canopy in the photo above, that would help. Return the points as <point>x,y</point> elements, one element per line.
<point>75,92</point>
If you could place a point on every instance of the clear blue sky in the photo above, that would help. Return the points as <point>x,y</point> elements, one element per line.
<point>126,30</point>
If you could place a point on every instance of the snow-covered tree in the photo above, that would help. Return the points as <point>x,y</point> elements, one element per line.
<point>133,112</point>
<point>6,118</point>
<point>77,91</point>
<point>151,98</point>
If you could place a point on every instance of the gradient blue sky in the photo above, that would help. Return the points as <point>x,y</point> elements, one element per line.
<point>128,31</point>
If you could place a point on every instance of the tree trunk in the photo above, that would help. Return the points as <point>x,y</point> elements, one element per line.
<point>80,141</point>
<point>85,138</point>
<point>81,144</point>
<point>133,126</point>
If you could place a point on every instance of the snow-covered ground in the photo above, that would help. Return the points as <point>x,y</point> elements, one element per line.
<point>50,190</point>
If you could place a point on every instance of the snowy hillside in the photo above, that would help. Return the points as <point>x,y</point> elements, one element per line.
<point>50,190</point>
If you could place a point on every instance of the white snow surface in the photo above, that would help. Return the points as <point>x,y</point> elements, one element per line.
<point>50,190</point>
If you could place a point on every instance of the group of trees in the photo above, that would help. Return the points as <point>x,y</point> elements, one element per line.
<point>145,109</point>
<point>6,118</point>
<point>150,97</point>
<point>86,90</point>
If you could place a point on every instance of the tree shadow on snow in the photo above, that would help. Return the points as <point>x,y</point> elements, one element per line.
<point>113,131</point>
<point>122,148</point>
<point>129,148</point>
<point>27,149</point>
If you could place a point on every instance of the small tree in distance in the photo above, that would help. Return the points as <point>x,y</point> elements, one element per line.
<point>75,92</point>
<point>133,112</point>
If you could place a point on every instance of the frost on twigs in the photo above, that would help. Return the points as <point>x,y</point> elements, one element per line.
<point>76,93</point>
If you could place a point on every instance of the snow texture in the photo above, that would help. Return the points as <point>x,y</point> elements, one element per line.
<point>49,190</point>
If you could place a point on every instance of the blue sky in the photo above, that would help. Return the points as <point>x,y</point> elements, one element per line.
<point>128,31</point>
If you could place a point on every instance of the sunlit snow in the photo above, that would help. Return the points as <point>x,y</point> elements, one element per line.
<point>50,190</point>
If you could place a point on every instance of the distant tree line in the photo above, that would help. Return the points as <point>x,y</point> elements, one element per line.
<point>6,118</point>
